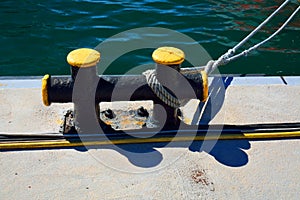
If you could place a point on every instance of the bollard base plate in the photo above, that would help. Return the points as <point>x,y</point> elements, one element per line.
<point>127,115</point>
<point>122,115</point>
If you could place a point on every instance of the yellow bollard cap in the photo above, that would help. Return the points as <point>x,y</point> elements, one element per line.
<point>83,57</point>
<point>168,56</point>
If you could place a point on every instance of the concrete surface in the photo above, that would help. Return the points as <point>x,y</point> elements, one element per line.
<point>201,170</point>
<point>269,170</point>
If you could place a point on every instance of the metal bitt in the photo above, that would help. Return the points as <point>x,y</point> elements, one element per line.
<point>168,62</point>
<point>84,78</point>
<point>85,88</point>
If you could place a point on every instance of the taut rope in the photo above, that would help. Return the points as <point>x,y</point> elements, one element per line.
<point>229,55</point>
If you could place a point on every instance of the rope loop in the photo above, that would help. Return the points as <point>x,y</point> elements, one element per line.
<point>159,90</point>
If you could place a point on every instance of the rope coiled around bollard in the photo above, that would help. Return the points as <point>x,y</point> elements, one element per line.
<point>159,90</point>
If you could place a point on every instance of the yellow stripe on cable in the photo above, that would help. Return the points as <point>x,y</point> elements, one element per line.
<point>65,143</point>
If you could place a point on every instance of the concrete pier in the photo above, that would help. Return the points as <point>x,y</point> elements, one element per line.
<point>237,169</point>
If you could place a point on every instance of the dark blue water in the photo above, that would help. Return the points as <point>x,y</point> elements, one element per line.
<point>37,35</point>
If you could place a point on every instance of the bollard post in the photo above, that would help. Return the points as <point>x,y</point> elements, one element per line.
<point>85,79</point>
<point>168,62</point>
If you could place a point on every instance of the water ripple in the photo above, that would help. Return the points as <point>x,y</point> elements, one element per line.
<point>54,27</point>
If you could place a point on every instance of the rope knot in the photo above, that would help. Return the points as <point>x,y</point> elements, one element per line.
<point>229,54</point>
<point>246,52</point>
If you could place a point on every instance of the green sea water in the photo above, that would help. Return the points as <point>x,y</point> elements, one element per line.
<point>36,35</point>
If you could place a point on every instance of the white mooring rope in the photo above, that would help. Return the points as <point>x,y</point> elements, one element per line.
<point>246,52</point>
<point>229,55</point>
